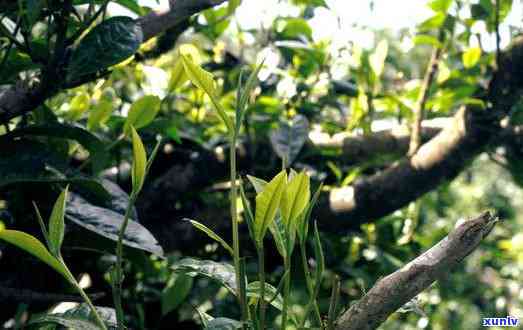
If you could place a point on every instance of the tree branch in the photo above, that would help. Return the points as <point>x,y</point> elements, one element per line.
<point>398,288</point>
<point>20,98</point>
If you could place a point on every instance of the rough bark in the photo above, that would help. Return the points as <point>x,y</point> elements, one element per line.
<point>398,288</point>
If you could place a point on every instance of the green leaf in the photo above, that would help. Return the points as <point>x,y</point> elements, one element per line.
<point>435,22</point>
<point>78,106</point>
<point>279,234</point>
<point>100,113</point>
<point>303,225</point>
<point>295,199</point>
<point>33,10</point>
<point>425,39</point>
<point>441,6</point>
<point>34,247</point>
<point>178,288</point>
<point>233,4</point>
<point>243,96</point>
<point>211,234</point>
<point>267,204</point>
<point>249,217</point>
<point>205,81</point>
<point>257,183</point>
<point>318,255</point>
<point>95,146</point>
<point>377,59</point>
<point>288,139</point>
<point>223,323</point>
<point>66,321</point>
<point>272,295</point>
<point>221,272</point>
<point>139,162</point>
<point>142,112</point>
<point>178,75</point>
<point>471,57</point>
<point>56,224</point>
<point>107,223</point>
<point>109,43</point>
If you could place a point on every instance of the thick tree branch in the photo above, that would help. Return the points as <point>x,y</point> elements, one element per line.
<point>398,288</point>
<point>439,160</point>
<point>20,99</point>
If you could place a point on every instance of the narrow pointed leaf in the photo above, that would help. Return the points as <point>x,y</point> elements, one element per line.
<point>244,94</point>
<point>204,80</point>
<point>139,162</point>
<point>249,217</point>
<point>211,234</point>
<point>142,112</point>
<point>303,225</point>
<point>56,224</point>
<point>279,235</point>
<point>267,204</point>
<point>295,199</point>
<point>33,246</point>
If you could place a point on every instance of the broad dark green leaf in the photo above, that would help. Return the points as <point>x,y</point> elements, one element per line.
<point>107,223</point>
<point>56,224</point>
<point>177,289</point>
<point>82,311</point>
<point>33,246</point>
<point>95,146</point>
<point>66,321</point>
<point>223,323</point>
<point>33,10</point>
<point>24,161</point>
<point>107,44</point>
<point>288,139</point>
<point>218,271</point>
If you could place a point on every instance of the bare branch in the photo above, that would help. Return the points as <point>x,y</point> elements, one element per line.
<point>398,288</point>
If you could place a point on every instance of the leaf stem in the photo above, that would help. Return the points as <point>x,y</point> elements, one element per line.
<point>234,218</point>
<point>308,281</point>
<point>118,272</point>
<point>86,298</point>
<point>286,292</point>
<point>261,269</point>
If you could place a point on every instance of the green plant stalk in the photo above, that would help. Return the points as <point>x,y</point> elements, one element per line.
<point>261,269</point>
<point>286,292</point>
<point>85,297</point>
<point>234,219</point>
<point>312,301</point>
<point>118,273</point>
<point>308,281</point>
<point>333,303</point>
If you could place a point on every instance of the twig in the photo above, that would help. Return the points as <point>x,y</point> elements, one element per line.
<point>419,109</point>
<point>398,288</point>
<point>498,36</point>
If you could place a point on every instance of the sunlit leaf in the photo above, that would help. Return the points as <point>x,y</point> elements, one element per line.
<point>471,57</point>
<point>272,295</point>
<point>56,224</point>
<point>267,204</point>
<point>142,112</point>
<point>139,162</point>
<point>377,59</point>
<point>295,198</point>
<point>211,234</point>
<point>33,246</point>
<point>204,80</point>
<point>223,323</point>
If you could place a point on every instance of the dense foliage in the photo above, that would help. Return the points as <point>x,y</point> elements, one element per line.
<point>185,168</point>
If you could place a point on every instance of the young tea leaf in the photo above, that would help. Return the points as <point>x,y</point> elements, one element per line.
<point>56,224</point>
<point>204,80</point>
<point>139,162</point>
<point>211,234</point>
<point>142,112</point>
<point>295,199</point>
<point>257,183</point>
<point>267,204</point>
<point>33,246</point>
<point>471,57</point>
